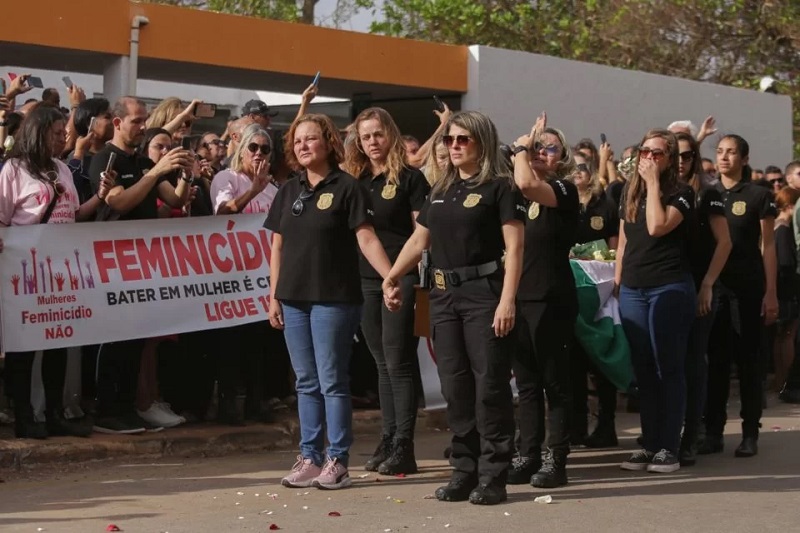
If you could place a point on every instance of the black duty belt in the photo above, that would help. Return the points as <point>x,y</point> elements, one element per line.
<point>443,278</point>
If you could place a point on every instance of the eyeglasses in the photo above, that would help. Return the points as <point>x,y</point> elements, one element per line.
<point>687,155</point>
<point>650,153</point>
<point>255,147</point>
<point>550,149</point>
<point>582,167</point>
<point>300,204</point>
<point>459,140</point>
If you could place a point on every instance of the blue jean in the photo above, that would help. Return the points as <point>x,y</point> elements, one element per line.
<point>657,321</point>
<point>320,341</point>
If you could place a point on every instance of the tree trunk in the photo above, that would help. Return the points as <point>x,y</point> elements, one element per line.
<point>307,16</point>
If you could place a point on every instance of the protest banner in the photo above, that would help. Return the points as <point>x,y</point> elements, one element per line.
<point>80,284</point>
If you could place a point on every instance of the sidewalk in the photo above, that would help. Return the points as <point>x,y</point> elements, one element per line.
<point>195,440</point>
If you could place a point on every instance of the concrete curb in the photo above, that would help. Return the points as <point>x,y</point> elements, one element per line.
<point>201,440</point>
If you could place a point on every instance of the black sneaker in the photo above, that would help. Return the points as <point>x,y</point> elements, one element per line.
<point>522,468</point>
<point>401,461</point>
<point>488,494</point>
<point>638,461</point>
<point>116,425</point>
<point>664,462</point>
<point>552,474</point>
<point>381,453</point>
<point>57,425</point>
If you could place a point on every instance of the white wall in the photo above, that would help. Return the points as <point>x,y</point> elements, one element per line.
<point>584,99</point>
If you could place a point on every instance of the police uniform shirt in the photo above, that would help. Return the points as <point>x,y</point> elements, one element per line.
<point>746,204</point>
<point>614,193</point>
<point>550,232</point>
<point>598,220</point>
<point>319,257</point>
<point>394,206</point>
<point>130,168</point>
<point>701,238</point>
<point>654,261</point>
<point>466,222</point>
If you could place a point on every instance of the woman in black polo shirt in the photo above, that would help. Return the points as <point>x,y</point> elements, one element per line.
<point>319,221</point>
<point>748,297</point>
<point>710,245</point>
<point>470,217</point>
<point>548,305</point>
<point>597,221</point>
<point>656,295</point>
<point>376,157</point>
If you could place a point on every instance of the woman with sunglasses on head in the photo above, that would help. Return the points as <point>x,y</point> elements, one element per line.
<point>597,221</point>
<point>710,246</point>
<point>657,298</point>
<point>472,214</point>
<point>747,298</point>
<point>548,305</point>
<point>320,220</point>
<point>37,188</point>
<point>376,158</point>
<point>246,187</point>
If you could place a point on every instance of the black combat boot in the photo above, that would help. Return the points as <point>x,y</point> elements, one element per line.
<point>401,461</point>
<point>553,472</point>
<point>382,452</point>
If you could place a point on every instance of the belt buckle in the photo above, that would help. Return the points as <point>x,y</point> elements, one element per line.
<point>439,280</point>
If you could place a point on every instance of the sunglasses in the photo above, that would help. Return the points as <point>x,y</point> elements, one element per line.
<point>300,204</point>
<point>649,153</point>
<point>582,167</point>
<point>550,149</point>
<point>255,147</point>
<point>458,140</point>
<point>776,181</point>
<point>686,156</point>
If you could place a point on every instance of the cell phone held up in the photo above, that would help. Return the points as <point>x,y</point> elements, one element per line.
<point>205,110</point>
<point>439,104</point>
<point>35,81</point>
<point>603,138</point>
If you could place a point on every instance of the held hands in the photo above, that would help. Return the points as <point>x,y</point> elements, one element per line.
<point>391,294</point>
<point>504,318</point>
<point>648,170</point>
<point>275,314</point>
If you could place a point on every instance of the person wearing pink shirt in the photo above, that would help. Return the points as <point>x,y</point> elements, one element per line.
<point>247,187</point>
<point>36,188</point>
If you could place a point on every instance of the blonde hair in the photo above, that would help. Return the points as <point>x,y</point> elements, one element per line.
<point>668,179</point>
<point>490,160</point>
<point>431,168</point>
<point>595,187</point>
<point>251,131</point>
<point>356,160</point>
<point>165,112</point>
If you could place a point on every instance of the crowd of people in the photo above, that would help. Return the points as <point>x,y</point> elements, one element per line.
<point>706,274</point>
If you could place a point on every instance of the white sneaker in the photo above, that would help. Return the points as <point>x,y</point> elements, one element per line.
<point>167,409</point>
<point>157,417</point>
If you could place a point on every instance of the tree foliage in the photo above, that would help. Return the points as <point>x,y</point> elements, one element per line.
<point>731,42</point>
<point>288,10</point>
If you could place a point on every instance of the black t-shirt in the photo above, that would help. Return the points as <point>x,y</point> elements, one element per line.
<point>550,232</point>
<point>654,261</point>
<point>394,206</point>
<point>787,283</point>
<point>466,222</point>
<point>614,193</point>
<point>319,258</point>
<point>80,170</point>
<point>597,221</point>
<point>746,205</point>
<point>129,168</point>
<point>701,238</point>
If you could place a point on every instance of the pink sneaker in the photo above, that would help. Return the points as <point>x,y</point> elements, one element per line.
<point>334,476</point>
<point>303,474</point>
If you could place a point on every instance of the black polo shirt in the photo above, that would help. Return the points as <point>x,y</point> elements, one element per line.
<point>466,222</point>
<point>319,258</point>
<point>614,193</point>
<point>597,220</point>
<point>701,238</point>
<point>654,261</point>
<point>394,205</point>
<point>550,232</point>
<point>746,204</point>
<point>129,168</point>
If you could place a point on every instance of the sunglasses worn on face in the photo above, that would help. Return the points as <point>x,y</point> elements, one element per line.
<point>686,156</point>
<point>255,147</point>
<point>649,153</point>
<point>300,204</point>
<point>550,149</point>
<point>460,140</point>
<point>582,167</point>
<point>776,181</point>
